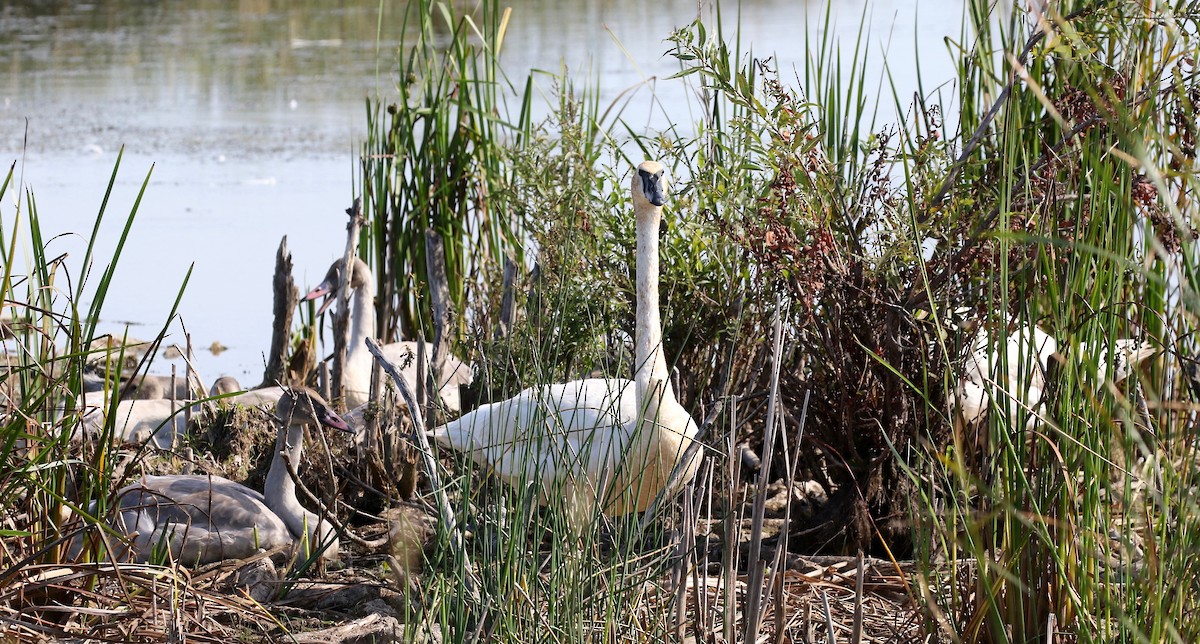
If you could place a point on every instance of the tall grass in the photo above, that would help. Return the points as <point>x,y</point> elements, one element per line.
<point>1069,234</point>
<point>434,158</point>
<point>452,155</point>
<point>54,482</point>
<point>819,275</point>
<point>52,342</point>
<point>1057,202</point>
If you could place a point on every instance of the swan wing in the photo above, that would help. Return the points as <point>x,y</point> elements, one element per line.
<point>547,432</point>
<point>1019,380</point>
<point>160,420</point>
<point>1126,357</point>
<point>263,397</point>
<point>971,395</point>
<point>200,518</point>
<point>1030,351</point>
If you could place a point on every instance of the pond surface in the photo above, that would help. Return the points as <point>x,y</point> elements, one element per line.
<point>251,115</point>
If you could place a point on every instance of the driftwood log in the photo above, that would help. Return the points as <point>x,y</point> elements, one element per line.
<point>508,297</point>
<point>370,629</point>
<point>439,304</point>
<point>286,298</point>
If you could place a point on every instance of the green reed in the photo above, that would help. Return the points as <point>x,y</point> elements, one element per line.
<point>1063,234</point>
<point>50,478</point>
<point>434,159</point>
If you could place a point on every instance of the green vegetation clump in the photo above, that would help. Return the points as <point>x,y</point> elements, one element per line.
<point>823,279</point>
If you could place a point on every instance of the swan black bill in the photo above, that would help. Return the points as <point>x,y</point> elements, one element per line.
<point>652,187</point>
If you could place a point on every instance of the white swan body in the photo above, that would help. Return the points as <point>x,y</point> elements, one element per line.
<point>1130,353</point>
<point>359,362</point>
<point>1028,353</point>
<point>611,441</point>
<point>1022,383</point>
<point>202,519</point>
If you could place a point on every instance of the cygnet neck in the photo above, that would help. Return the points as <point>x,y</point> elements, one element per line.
<point>362,319</point>
<point>279,493</point>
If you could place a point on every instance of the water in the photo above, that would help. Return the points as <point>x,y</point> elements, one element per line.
<point>251,114</point>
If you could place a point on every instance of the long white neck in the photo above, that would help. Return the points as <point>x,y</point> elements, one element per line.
<point>648,350</point>
<point>280,490</point>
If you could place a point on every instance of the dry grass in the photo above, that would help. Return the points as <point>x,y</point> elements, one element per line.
<point>128,603</point>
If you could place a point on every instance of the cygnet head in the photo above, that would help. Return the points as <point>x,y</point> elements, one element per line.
<point>649,186</point>
<point>303,406</point>
<point>225,385</point>
<point>333,277</point>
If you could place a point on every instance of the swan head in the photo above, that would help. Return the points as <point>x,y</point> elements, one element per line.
<point>649,186</point>
<point>358,279</point>
<point>303,406</point>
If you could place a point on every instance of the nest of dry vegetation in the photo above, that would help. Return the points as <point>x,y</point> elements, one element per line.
<point>225,602</point>
<point>242,600</point>
<point>813,597</point>
<point>859,409</point>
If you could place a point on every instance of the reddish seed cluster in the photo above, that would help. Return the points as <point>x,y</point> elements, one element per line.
<point>1144,192</point>
<point>1165,230</point>
<point>1117,84</point>
<point>1145,195</point>
<point>1077,107</point>
<point>880,183</point>
<point>778,244</point>
<point>769,237</point>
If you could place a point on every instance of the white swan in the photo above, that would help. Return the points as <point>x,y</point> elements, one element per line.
<point>614,441</point>
<point>359,363</point>
<point>1022,383</point>
<point>209,518</point>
